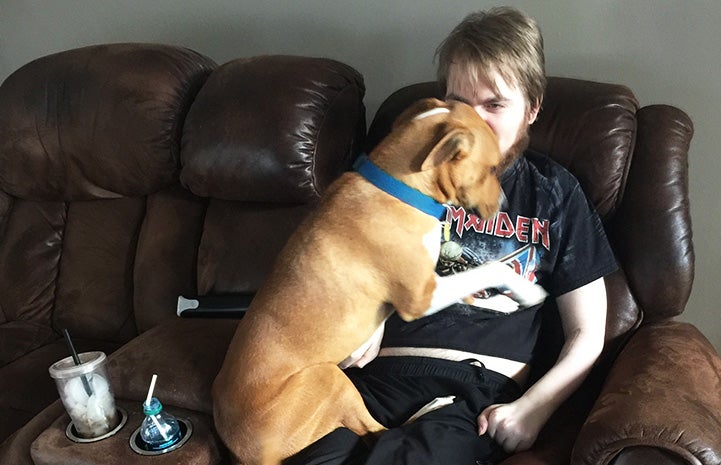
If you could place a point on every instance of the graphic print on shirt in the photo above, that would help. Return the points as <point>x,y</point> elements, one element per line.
<point>524,229</point>
<point>470,241</point>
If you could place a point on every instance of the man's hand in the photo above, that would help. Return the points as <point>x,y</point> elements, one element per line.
<point>510,426</point>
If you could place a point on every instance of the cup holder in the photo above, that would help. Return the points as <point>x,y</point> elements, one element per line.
<point>138,446</point>
<point>73,435</point>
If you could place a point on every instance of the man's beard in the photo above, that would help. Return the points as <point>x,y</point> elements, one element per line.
<point>515,150</point>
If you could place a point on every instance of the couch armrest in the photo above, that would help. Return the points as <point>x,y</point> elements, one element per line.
<point>186,354</point>
<point>664,391</point>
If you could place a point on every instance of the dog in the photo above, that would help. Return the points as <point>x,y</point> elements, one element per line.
<point>361,255</point>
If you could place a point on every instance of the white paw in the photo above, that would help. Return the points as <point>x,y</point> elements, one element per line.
<point>530,296</point>
<point>526,293</point>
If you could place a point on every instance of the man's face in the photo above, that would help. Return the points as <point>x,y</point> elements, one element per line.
<point>505,111</point>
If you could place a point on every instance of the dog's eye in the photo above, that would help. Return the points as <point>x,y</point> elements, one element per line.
<point>494,169</point>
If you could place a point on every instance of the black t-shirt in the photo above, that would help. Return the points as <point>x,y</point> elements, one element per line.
<point>548,232</point>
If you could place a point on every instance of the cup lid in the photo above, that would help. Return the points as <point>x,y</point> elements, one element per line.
<point>66,368</point>
<point>154,408</point>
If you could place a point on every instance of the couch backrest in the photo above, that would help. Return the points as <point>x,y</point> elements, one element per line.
<point>101,224</point>
<point>263,139</point>
<point>632,164</point>
<point>88,137</point>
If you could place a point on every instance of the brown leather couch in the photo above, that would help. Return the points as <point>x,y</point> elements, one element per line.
<point>131,174</point>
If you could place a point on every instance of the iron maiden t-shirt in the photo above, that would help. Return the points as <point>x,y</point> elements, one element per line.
<point>548,232</point>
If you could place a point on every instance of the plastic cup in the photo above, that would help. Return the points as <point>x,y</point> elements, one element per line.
<point>86,394</point>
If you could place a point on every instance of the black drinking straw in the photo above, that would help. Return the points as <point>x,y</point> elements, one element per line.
<point>76,359</point>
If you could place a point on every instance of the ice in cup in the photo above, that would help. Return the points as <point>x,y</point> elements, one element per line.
<point>86,394</point>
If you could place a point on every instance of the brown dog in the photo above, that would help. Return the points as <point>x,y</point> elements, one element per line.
<point>361,255</point>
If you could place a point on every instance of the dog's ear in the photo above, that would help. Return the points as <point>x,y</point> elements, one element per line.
<point>453,144</point>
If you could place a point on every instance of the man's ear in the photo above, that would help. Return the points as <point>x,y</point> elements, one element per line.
<point>455,143</point>
<point>533,112</point>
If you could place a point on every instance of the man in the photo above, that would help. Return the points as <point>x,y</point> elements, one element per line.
<point>461,374</point>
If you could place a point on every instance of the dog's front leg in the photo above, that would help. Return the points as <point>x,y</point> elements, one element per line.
<point>450,289</point>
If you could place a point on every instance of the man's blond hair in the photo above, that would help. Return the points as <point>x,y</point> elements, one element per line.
<point>501,40</point>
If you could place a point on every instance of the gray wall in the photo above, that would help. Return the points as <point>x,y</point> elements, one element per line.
<point>666,51</point>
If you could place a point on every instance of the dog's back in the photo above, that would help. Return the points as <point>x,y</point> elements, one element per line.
<point>332,278</point>
<point>327,293</point>
<point>359,256</point>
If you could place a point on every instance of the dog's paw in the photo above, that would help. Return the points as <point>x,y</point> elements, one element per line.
<point>526,293</point>
<point>530,296</point>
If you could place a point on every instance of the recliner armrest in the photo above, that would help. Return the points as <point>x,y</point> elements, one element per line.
<point>186,354</point>
<point>664,391</point>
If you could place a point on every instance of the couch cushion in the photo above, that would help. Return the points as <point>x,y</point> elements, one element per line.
<point>5,204</point>
<point>30,252</point>
<point>263,139</point>
<point>273,129</point>
<point>96,122</point>
<point>257,233</point>
<point>590,128</point>
<point>167,255</point>
<point>17,338</point>
<point>94,294</point>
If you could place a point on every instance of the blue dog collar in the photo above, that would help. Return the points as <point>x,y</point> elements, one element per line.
<point>397,189</point>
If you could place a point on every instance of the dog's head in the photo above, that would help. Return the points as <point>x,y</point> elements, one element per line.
<point>447,151</point>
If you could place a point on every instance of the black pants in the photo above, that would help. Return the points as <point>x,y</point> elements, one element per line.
<point>394,388</point>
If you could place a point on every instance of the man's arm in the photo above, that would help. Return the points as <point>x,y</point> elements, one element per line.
<point>516,425</point>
